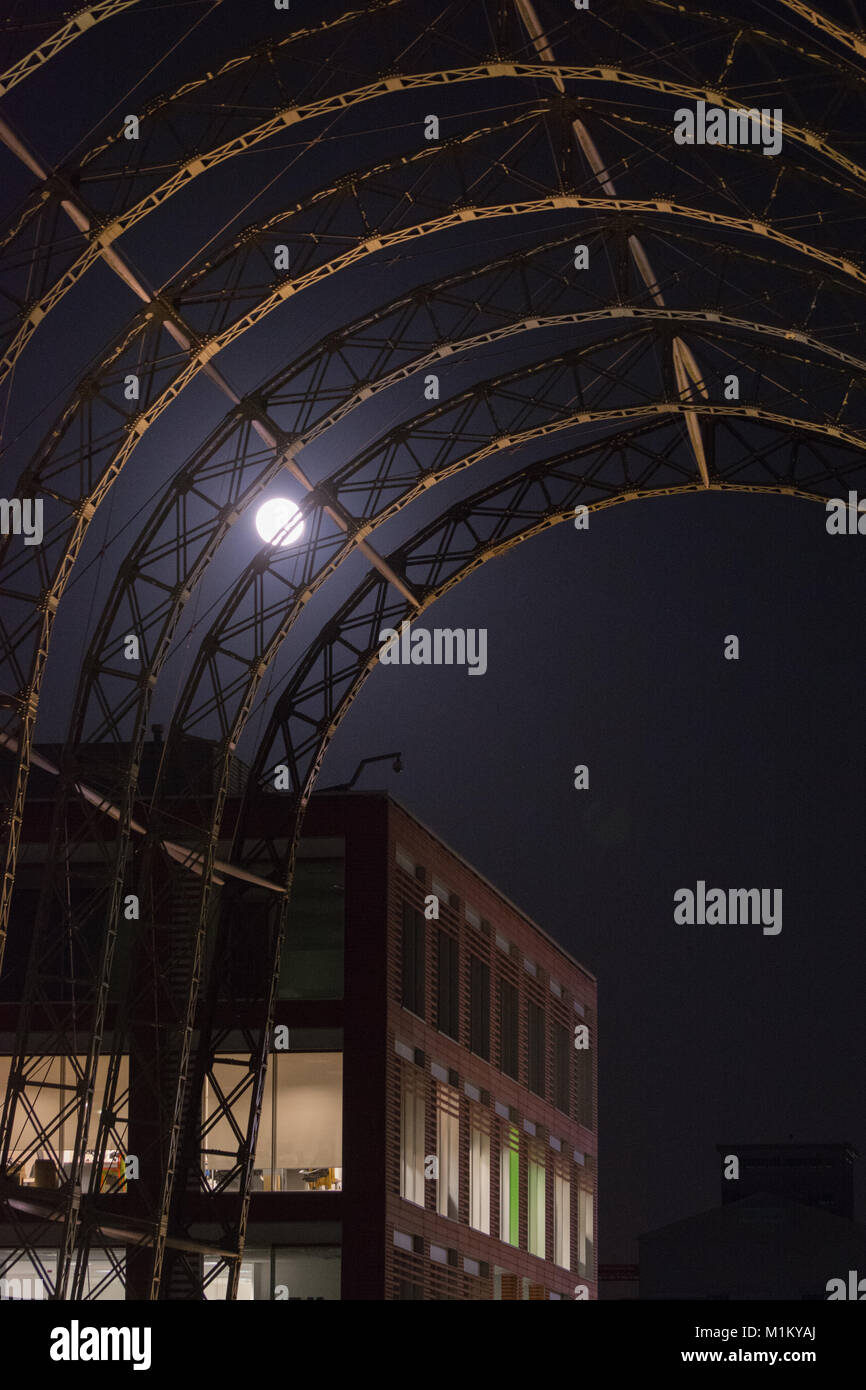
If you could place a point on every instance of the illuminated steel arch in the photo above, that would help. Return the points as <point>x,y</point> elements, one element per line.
<point>101,241</point>
<point>507,26</point>
<point>388,26</point>
<point>612,490</point>
<point>678,437</point>
<point>101,663</point>
<point>306,717</point>
<point>48,584</point>
<point>77,24</point>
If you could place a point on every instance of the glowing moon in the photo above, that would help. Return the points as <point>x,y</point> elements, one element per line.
<point>279,522</point>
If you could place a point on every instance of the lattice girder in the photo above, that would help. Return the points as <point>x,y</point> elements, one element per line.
<point>104,232</point>
<point>334,668</point>
<point>47,595</point>
<point>798,431</point>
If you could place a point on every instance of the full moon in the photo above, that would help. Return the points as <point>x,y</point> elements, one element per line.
<point>279,522</point>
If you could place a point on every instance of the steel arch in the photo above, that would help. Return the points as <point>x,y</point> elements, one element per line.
<point>102,237</point>
<point>47,598</point>
<point>668,414</point>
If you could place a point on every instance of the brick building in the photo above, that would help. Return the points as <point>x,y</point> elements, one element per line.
<point>405,1042</point>
<point>483,1077</point>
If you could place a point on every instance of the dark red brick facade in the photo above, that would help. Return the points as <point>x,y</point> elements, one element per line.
<point>513,949</point>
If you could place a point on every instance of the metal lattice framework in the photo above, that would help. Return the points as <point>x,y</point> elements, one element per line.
<point>559,385</point>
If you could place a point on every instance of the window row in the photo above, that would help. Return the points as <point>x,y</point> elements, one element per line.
<point>447,1274</point>
<point>299,1146</point>
<point>283,1273</point>
<point>517,1187</point>
<point>453,905</point>
<point>554,1060</point>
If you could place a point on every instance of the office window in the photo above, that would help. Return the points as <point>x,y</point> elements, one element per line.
<point>311,960</point>
<point>24,1281</point>
<point>509,1186</point>
<point>307,1151</point>
<point>412,1137</point>
<point>413,960</point>
<point>448,989</point>
<point>300,1140</point>
<point>448,1151</point>
<point>585,1254</point>
<point>48,1168</point>
<point>508,1029</point>
<point>479,1008</point>
<point>535,1021</point>
<point>536,1200</point>
<point>307,1272</point>
<point>479,1179</point>
<point>583,1082</point>
<point>562,1050</point>
<point>562,1220</point>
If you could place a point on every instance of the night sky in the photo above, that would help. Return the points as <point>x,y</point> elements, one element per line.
<point>605,648</point>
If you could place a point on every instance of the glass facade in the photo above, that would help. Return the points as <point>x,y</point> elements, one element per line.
<point>39,1167</point>
<point>284,1274</point>
<point>311,962</point>
<point>300,1135</point>
<point>22,1281</point>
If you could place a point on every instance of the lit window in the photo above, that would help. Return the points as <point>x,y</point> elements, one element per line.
<point>308,1129</point>
<point>509,1186</point>
<point>536,1204</point>
<point>584,1233</point>
<point>411,1140</point>
<point>299,1145</point>
<point>51,1080</point>
<point>448,1152</point>
<point>479,1179</point>
<point>562,1221</point>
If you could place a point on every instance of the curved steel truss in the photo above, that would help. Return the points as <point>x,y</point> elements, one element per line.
<point>588,359</point>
